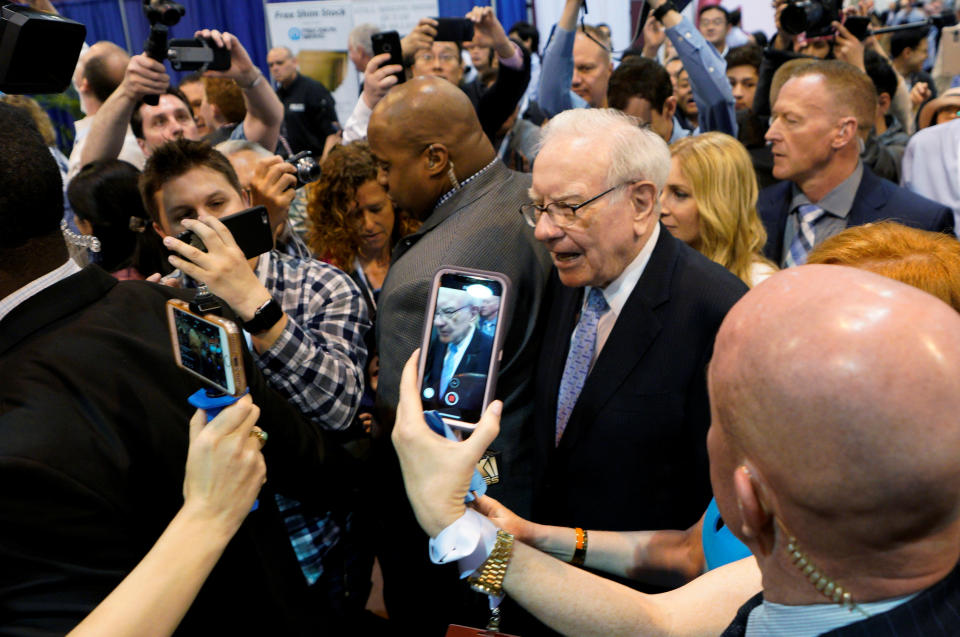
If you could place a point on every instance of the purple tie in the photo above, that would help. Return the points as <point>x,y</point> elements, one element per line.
<point>582,347</point>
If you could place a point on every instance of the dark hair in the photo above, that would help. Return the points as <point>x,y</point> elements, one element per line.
<point>639,77</point>
<point>907,39</point>
<point>97,73</point>
<point>176,158</point>
<point>136,120</point>
<point>761,39</point>
<point>746,55</point>
<point>193,78</point>
<point>715,7</point>
<point>105,194</point>
<point>526,31</point>
<point>31,190</point>
<point>882,75</point>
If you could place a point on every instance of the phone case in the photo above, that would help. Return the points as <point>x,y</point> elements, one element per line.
<point>232,348</point>
<point>497,348</point>
<point>389,42</point>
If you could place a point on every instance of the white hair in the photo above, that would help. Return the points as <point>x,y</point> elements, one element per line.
<point>233,146</point>
<point>636,153</point>
<point>361,37</point>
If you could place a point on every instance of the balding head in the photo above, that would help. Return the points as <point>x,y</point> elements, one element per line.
<point>838,389</point>
<point>103,67</point>
<point>421,131</point>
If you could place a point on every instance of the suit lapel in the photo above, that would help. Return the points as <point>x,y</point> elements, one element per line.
<point>633,333</point>
<point>775,220</point>
<point>53,303</point>
<point>869,197</point>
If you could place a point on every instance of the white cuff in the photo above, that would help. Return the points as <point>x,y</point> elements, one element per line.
<point>468,541</point>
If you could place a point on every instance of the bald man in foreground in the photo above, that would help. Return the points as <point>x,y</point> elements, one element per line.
<point>833,450</point>
<point>437,163</point>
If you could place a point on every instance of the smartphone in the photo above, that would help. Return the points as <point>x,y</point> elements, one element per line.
<point>461,345</point>
<point>250,229</point>
<point>197,54</point>
<point>454,30</point>
<point>208,347</point>
<point>858,26</point>
<point>389,42</point>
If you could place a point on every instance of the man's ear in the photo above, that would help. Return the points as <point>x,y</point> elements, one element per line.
<point>437,159</point>
<point>142,143</point>
<point>756,512</point>
<point>159,230</point>
<point>846,134</point>
<point>643,195</point>
<point>669,107</point>
<point>883,103</point>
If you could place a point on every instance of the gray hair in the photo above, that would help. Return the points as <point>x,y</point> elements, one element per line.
<point>635,152</point>
<point>233,146</point>
<point>361,37</point>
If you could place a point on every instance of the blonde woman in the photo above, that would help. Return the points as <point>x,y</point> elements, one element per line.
<point>710,202</point>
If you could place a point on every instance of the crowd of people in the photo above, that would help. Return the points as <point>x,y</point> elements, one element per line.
<point>731,338</point>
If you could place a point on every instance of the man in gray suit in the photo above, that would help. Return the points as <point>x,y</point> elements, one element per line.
<point>438,164</point>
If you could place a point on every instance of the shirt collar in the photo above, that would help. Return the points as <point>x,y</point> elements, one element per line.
<point>769,619</point>
<point>12,300</point>
<point>838,201</point>
<point>618,291</point>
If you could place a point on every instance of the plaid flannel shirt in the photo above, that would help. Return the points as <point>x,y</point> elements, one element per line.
<point>317,362</point>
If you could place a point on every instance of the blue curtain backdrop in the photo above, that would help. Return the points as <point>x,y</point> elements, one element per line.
<point>243,18</point>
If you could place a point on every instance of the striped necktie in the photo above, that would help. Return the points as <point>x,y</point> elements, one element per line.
<point>579,358</point>
<point>803,243</point>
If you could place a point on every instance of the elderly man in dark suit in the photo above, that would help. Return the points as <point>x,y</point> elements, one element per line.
<point>621,400</point>
<point>819,117</point>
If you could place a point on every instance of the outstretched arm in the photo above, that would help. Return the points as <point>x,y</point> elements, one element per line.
<point>556,71</point>
<point>264,109</point>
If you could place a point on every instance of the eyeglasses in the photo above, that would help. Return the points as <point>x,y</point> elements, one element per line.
<point>445,58</point>
<point>713,22</point>
<point>561,214</point>
<point>448,313</point>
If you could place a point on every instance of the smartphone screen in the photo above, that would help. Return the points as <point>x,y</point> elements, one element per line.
<point>461,357</point>
<point>203,349</point>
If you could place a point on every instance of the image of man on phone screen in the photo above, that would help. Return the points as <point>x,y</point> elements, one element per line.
<point>459,353</point>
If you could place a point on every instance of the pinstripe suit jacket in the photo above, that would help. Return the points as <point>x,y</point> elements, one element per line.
<point>935,612</point>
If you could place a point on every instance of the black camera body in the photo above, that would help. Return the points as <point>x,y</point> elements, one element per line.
<point>38,51</point>
<point>308,170</point>
<point>197,54</point>
<point>812,17</point>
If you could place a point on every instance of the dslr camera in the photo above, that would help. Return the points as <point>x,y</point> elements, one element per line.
<point>812,17</point>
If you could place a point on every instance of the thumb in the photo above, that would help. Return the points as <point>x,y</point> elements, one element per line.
<point>197,422</point>
<point>487,429</point>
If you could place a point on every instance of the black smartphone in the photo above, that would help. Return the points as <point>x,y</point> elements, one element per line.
<point>197,54</point>
<point>461,345</point>
<point>208,347</point>
<point>858,26</point>
<point>389,42</point>
<point>250,229</point>
<point>454,30</point>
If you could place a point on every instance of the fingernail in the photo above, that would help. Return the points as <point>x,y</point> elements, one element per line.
<point>168,241</point>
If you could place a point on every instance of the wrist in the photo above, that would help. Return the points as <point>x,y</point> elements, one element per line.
<point>200,521</point>
<point>249,79</point>
<point>247,307</point>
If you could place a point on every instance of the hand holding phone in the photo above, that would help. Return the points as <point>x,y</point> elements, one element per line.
<point>462,344</point>
<point>223,267</point>
<point>454,30</point>
<point>389,42</point>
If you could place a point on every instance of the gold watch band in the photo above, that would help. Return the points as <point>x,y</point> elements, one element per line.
<point>489,580</point>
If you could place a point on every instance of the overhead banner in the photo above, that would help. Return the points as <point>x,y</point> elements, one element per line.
<point>317,31</point>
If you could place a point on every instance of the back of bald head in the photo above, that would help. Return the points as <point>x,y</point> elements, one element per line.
<point>426,110</point>
<point>841,387</point>
<point>104,66</point>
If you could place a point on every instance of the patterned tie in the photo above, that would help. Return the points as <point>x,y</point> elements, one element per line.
<point>803,243</point>
<point>449,366</point>
<point>579,358</point>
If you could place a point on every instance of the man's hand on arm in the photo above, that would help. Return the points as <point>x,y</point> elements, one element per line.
<point>264,108</point>
<point>436,471</point>
<point>847,47</point>
<point>144,76</point>
<point>225,271</point>
<point>670,19</point>
<point>378,78</point>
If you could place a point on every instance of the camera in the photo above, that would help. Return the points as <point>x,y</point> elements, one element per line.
<point>308,170</point>
<point>38,51</point>
<point>812,17</point>
<point>197,54</point>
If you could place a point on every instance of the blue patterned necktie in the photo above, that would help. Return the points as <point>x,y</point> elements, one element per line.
<point>803,243</point>
<point>449,366</point>
<point>582,348</point>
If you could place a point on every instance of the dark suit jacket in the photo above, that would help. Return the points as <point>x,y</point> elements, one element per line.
<point>876,200</point>
<point>476,360</point>
<point>633,455</point>
<point>932,613</point>
<point>93,441</point>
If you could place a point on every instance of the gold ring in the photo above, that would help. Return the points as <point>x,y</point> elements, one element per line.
<point>260,435</point>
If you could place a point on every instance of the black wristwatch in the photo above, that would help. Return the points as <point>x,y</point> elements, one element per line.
<point>264,318</point>
<point>662,10</point>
